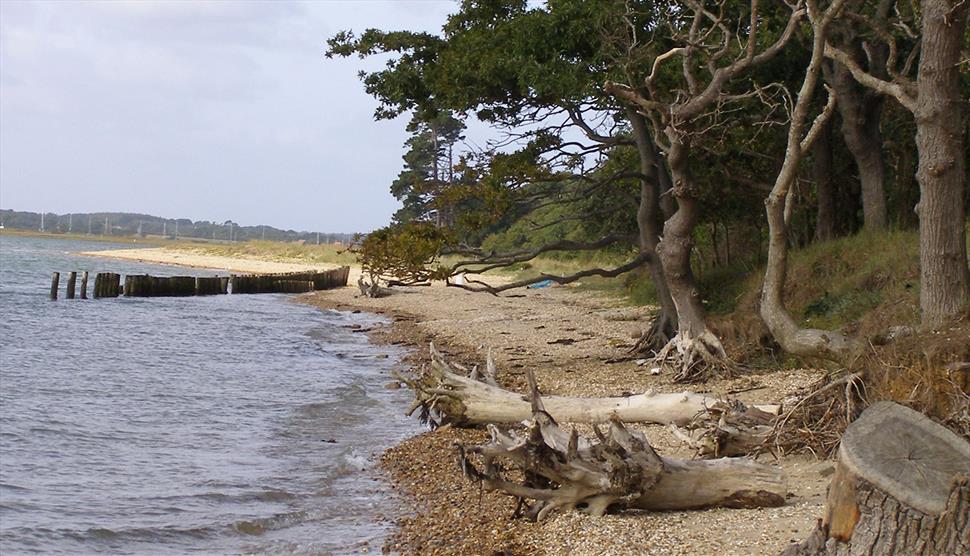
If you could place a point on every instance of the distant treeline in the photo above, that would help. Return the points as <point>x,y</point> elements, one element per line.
<point>144,225</point>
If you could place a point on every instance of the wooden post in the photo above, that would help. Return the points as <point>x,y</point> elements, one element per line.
<point>71,283</point>
<point>84,285</point>
<point>55,279</point>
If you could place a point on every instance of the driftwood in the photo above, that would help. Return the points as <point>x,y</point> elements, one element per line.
<point>619,471</point>
<point>447,397</point>
<point>901,486</point>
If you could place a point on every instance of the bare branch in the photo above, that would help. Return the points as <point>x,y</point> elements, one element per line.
<point>479,286</point>
<point>899,89</point>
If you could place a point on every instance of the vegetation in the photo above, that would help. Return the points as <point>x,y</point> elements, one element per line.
<point>661,131</point>
<point>123,224</point>
<point>271,251</point>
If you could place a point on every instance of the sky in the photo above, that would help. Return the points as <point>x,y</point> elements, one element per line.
<point>202,110</point>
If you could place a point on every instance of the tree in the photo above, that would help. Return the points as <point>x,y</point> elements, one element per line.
<point>682,112</point>
<point>516,67</point>
<point>429,169</point>
<point>935,101</point>
<point>793,338</point>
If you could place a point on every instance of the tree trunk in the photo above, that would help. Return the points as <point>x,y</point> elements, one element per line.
<point>566,471</point>
<point>792,338</point>
<point>664,324</point>
<point>944,276</point>
<point>900,487</point>
<point>447,397</point>
<point>695,352</point>
<point>861,111</point>
<point>822,171</point>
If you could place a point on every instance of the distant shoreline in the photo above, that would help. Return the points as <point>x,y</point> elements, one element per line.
<point>81,237</point>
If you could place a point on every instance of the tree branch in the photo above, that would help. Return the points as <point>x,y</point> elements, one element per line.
<point>479,286</point>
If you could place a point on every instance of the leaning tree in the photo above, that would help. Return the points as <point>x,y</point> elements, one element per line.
<point>713,56</point>
<point>516,67</point>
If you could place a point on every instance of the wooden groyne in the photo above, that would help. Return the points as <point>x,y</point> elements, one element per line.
<point>290,282</point>
<point>109,284</point>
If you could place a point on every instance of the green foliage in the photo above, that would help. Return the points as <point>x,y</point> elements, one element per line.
<point>403,252</point>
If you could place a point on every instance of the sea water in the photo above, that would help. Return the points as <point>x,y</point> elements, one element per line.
<point>219,424</point>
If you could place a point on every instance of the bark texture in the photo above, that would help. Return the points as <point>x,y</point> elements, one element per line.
<point>793,338</point>
<point>695,352</point>
<point>940,136</point>
<point>649,221</point>
<point>822,172</point>
<point>901,487</point>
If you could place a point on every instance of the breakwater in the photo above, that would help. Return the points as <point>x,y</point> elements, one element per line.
<point>109,284</point>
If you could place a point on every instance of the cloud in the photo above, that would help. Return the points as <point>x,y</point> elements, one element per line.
<point>207,110</point>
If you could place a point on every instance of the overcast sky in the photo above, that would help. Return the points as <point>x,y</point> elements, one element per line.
<point>209,111</point>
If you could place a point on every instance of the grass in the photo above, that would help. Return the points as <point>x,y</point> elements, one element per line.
<point>271,251</point>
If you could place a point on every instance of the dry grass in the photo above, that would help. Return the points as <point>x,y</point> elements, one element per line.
<point>271,251</point>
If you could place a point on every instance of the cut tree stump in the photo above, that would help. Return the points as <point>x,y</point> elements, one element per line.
<point>901,486</point>
<point>563,471</point>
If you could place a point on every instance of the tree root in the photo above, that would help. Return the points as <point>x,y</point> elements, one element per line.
<point>819,416</point>
<point>729,429</point>
<point>621,470</point>
<point>662,329</point>
<point>695,359</point>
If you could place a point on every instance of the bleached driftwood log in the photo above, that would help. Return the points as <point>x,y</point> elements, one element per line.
<point>901,486</point>
<point>474,400</point>
<point>620,470</point>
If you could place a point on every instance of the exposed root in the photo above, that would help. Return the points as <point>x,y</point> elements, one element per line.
<point>563,471</point>
<point>662,329</point>
<point>695,359</point>
<point>729,429</point>
<point>818,416</point>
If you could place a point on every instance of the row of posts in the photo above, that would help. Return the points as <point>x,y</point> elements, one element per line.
<point>108,284</point>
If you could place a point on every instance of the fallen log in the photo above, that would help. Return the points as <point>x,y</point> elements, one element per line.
<point>447,397</point>
<point>621,471</point>
<point>901,486</point>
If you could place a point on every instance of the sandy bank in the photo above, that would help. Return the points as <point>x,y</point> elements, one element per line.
<point>566,336</point>
<point>216,262</point>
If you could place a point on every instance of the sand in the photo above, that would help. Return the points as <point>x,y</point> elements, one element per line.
<point>566,336</point>
<point>215,262</point>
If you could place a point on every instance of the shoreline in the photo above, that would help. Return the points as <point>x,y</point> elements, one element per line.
<point>449,514</point>
<point>566,337</point>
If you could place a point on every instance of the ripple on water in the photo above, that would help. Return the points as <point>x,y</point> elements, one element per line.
<point>216,424</point>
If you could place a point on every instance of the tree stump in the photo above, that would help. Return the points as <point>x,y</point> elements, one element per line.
<point>901,486</point>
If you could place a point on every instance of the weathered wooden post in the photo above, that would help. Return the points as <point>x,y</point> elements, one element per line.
<point>71,283</point>
<point>84,285</point>
<point>114,284</point>
<point>55,279</point>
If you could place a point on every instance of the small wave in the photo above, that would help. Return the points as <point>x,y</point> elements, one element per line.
<point>15,488</point>
<point>262,525</point>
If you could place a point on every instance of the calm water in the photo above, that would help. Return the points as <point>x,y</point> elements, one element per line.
<point>221,424</point>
